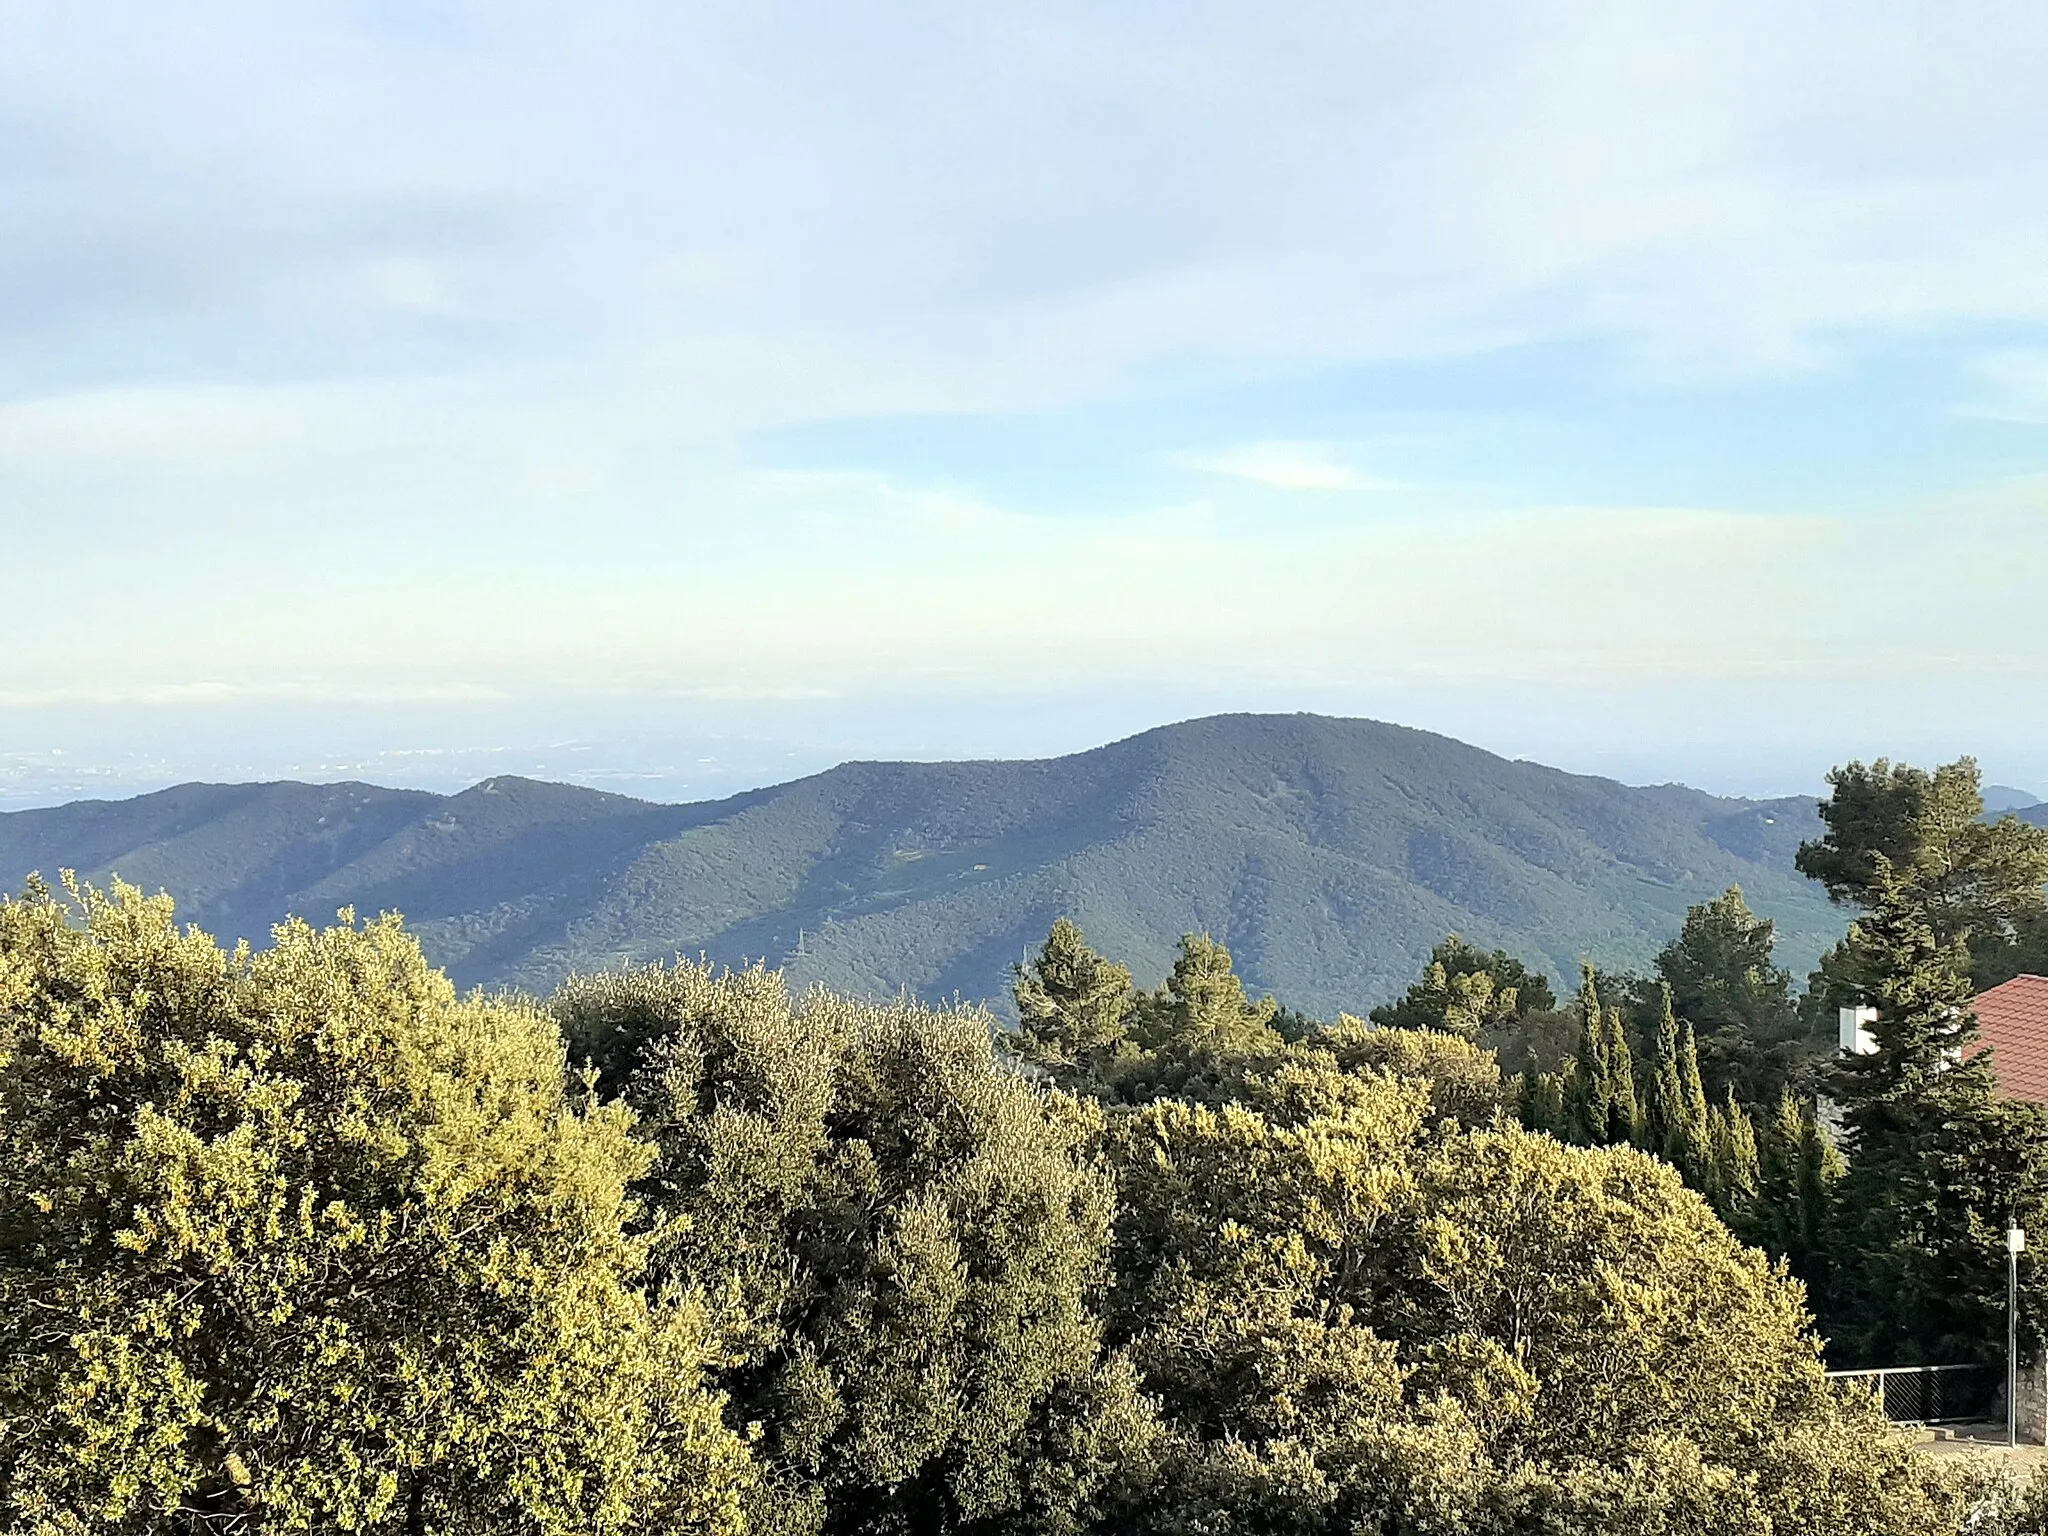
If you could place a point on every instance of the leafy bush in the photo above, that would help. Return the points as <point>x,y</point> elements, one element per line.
<point>300,1240</point>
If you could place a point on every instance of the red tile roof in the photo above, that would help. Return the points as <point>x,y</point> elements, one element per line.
<point>2013,1019</point>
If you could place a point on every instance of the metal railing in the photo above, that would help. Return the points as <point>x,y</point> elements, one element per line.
<point>1931,1394</point>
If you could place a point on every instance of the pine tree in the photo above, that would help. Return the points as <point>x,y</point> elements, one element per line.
<point>1072,1004</point>
<point>1723,982</point>
<point>1204,1007</point>
<point>1924,835</point>
<point>1936,1163</point>
<point>1464,990</point>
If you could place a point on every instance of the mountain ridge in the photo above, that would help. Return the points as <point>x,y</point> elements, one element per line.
<point>1328,853</point>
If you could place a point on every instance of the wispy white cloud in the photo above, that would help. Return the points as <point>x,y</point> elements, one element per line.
<point>1112,191</point>
<point>791,588</point>
<point>1285,466</point>
<point>349,363</point>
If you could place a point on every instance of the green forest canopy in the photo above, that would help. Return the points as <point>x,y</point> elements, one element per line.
<point>303,1240</point>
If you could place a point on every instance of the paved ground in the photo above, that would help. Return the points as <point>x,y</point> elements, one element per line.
<point>1981,1440</point>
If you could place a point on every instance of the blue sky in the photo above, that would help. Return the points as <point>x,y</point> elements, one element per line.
<point>678,397</point>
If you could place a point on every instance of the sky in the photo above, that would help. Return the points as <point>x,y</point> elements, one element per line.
<point>679,397</point>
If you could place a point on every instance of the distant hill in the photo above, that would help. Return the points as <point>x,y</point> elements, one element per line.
<point>2001,798</point>
<point>1329,854</point>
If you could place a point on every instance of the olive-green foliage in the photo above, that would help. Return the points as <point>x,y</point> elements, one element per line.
<point>1724,983</point>
<point>300,1241</point>
<point>1733,1169</point>
<point>1600,1105</point>
<point>1936,1162</point>
<point>1203,1009</point>
<point>1073,1006</point>
<point>1464,1079</point>
<point>1360,1307</point>
<point>1354,1321</point>
<point>907,1235</point>
<point>1465,990</point>
<point>1972,883</point>
<point>2010,1507</point>
<point>1201,1038</point>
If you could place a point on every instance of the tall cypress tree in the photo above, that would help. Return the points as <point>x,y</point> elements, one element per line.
<point>1820,1170</point>
<point>1676,1115</point>
<point>1798,1171</point>
<point>1601,1108</point>
<point>1732,1153</point>
<point>1693,1155</point>
<point>1663,1109</point>
<point>1589,1096</point>
<point>1624,1115</point>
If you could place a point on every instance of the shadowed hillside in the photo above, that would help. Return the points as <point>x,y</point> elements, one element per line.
<point>1329,854</point>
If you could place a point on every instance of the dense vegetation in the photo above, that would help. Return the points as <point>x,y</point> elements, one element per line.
<point>302,1240</point>
<point>1329,854</point>
<point>1711,1063</point>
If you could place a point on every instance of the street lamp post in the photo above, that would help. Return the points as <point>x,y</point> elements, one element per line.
<point>2015,1244</point>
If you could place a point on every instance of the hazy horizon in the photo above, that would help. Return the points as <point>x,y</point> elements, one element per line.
<point>678,768</point>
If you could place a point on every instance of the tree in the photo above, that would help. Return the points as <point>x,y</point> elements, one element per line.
<point>1540,1102</point>
<point>1203,1008</point>
<point>1627,1121</point>
<point>1693,1094</point>
<point>1937,1165</point>
<point>1733,1168</point>
<point>300,1241</point>
<point>1465,990</point>
<point>1351,1324</point>
<point>908,1235</point>
<point>1724,983</point>
<point>1600,1091</point>
<point>1798,1171</point>
<point>1675,1113</point>
<point>1877,812</point>
<point>1589,1088</point>
<point>1463,1078</point>
<point>1073,1006</point>
<point>1973,883</point>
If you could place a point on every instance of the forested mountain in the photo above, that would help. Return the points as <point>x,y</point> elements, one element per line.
<point>1329,854</point>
